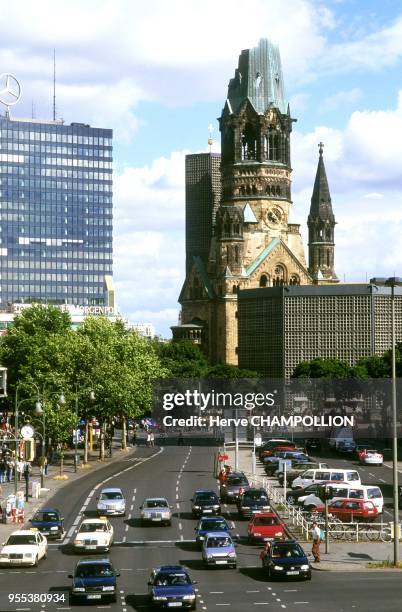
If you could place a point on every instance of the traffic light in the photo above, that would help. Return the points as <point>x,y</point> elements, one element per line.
<point>328,492</point>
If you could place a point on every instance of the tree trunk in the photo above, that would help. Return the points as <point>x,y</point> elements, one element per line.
<point>61,462</point>
<point>86,443</point>
<point>102,442</point>
<point>123,433</point>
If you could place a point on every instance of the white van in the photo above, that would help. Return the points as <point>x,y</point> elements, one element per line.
<point>314,476</point>
<point>346,491</point>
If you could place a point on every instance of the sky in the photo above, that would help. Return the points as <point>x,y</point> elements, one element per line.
<point>156,72</point>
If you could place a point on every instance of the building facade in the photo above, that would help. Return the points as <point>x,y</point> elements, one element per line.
<point>203,193</point>
<point>280,327</point>
<point>55,213</point>
<point>253,243</point>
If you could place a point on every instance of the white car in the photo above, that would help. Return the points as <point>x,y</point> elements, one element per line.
<point>23,547</point>
<point>156,510</point>
<point>95,534</point>
<point>371,457</point>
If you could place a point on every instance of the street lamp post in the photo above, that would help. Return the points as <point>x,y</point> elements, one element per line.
<point>92,398</point>
<point>40,411</point>
<point>17,404</point>
<point>394,282</point>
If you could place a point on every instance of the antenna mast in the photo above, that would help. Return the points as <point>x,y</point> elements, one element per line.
<point>210,139</point>
<point>54,84</point>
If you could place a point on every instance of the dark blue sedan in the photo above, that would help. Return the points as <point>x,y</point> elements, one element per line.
<point>170,586</point>
<point>209,523</point>
<point>286,559</point>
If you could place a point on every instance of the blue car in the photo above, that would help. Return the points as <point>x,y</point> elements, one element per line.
<point>218,549</point>
<point>207,524</point>
<point>286,559</point>
<point>49,522</point>
<point>94,580</point>
<point>170,586</point>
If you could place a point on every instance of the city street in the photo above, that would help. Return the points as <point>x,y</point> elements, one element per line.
<point>175,472</point>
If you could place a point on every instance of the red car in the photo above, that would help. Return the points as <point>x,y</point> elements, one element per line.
<point>352,510</point>
<point>265,526</point>
<point>269,452</point>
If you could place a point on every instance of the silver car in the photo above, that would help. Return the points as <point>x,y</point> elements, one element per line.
<point>156,510</point>
<point>111,501</point>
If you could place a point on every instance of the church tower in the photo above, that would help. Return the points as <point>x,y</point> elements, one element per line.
<point>253,243</point>
<point>321,226</point>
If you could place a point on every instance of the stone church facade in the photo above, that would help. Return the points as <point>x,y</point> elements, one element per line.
<point>253,243</point>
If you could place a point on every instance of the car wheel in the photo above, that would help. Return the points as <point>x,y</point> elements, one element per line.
<point>36,561</point>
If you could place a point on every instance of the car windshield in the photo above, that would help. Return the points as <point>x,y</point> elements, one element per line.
<point>235,480</point>
<point>266,520</point>
<point>205,496</point>
<point>94,571</point>
<point>166,579</point>
<point>111,495</point>
<point>87,527</point>
<point>218,542</point>
<point>46,516</point>
<point>288,550</point>
<point>213,525</point>
<point>255,495</point>
<point>156,503</point>
<point>21,539</point>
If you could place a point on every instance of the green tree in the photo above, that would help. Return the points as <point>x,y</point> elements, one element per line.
<point>224,370</point>
<point>323,368</point>
<point>182,359</point>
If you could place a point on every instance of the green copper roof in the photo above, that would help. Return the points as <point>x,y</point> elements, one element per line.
<point>258,78</point>
<point>274,242</point>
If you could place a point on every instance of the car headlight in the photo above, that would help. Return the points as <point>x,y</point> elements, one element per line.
<point>54,529</point>
<point>197,507</point>
<point>188,597</point>
<point>78,589</point>
<point>108,588</point>
<point>278,567</point>
<point>304,567</point>
<point>29,555</point>
<point>165,514</point>
<point>159,598</point>
<point>210,556</point>
<point>245,507</point>
<point>201,538</point>
<point>215,506</point>
<point>232,554</point>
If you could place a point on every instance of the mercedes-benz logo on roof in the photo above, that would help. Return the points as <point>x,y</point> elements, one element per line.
<point>10,89</point>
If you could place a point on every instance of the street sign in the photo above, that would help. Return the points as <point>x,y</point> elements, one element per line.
<point>223,457</point>
<point>283,463</point>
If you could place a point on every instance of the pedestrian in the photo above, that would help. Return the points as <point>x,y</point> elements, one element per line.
<point>316,535</point>
<point>134,438</point>
<point>20,468</point>
<point>265,551</point>
<point>148,439</point>
<point>152,438</point>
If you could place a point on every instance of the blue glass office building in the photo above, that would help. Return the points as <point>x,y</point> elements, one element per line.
<point>55,212</point>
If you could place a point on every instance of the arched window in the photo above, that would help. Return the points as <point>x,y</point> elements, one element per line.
<point>249,143</point>
<point>264,281</point>
<point>280,276</point>
<point>294,280</point>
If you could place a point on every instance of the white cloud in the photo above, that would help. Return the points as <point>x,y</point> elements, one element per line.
<point>340,100</point>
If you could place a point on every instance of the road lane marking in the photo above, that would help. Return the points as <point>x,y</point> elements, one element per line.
<point>216,592</point>
<point>370,474</point>
<point>252,591</point>
<point>300,602</point>
<point>382,480</point>
<point>132,507</point>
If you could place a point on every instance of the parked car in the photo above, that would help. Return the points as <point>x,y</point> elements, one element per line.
<point>219,549</point>
<point>320,475</point>
<point>296,470</point>
<point>94,580</point>
<point>253,500</point>
<point>265,526</point>
<point>286,559</point>
<point>361,446</point>
<point>346,447</point>
<point>171,586</point>
<point>349,510</point>
<point>229,490</point>
<point>364,492</point>
<point>313,445</point>
<point>369,456</point>
<point>270,444</point>
<point>205,502</point>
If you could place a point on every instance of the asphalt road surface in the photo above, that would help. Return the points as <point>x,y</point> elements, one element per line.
<point>175,472</point>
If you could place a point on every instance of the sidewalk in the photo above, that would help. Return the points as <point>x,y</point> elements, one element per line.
<point>53,485</point>
<point>342,556</point>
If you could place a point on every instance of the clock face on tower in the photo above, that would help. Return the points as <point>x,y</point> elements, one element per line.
<point>275,216</point>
